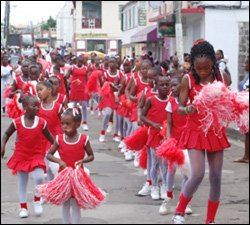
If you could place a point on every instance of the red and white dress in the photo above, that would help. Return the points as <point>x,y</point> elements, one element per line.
<point>194,138</point>
<point>78,90</point>
<point>61,98</point>
<point>71,152</point>
<point>29,152</point>
<point>157,114</point>
<point>61,76</point>
<point>140,87</point>
<point>53,120</point>
<point>110,100</point>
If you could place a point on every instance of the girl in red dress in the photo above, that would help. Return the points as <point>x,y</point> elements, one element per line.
<point>78,87</point>
<point>50,111</point>
<point>71,147</point>
<point>29,154</point>
<point>108,103</point>
<point>203,71</point>
<point>154,114</point>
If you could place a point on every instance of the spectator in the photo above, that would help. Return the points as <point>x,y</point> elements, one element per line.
<point>222,63</point>
<point>175,68</point>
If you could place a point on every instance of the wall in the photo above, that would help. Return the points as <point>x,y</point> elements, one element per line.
<point>222,31</point>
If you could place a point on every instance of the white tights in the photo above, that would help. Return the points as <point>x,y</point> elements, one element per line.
<point>76,212</point>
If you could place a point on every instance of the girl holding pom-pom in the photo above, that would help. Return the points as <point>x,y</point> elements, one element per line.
<point>29,153</point>
<point>203,71</point>
<point>71,147</point>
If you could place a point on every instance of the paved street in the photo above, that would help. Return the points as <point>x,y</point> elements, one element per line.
<point>121,180</point>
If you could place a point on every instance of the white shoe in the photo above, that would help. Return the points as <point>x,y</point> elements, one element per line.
<point>42,201</point>
<point>129,155</point>
<point>38,208</point>
<point>145,172</point>
<point>165,206</point>
<point>85,127</point>
<point>92,113</point>
<point>188,210</point>
<point>116,139</point>
<point>146,190</point>
<point>178,219</point>
<point>136,160</point>
<point>163,190</point>
<point>121,144</point>
<point>109,129</point>
<point>102,138</point>
<point>155,194</point>
<point>99,115</point>
<point>23,213</point>
<point>124,148</point>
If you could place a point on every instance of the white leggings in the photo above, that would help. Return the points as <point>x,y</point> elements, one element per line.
<point>76,212</point>
<point>23,177</point>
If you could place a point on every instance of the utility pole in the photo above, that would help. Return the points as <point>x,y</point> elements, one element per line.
<point>7,22</point>
<point>178,31</point>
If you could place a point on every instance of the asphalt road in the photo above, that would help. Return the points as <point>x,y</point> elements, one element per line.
<point>121,180</point>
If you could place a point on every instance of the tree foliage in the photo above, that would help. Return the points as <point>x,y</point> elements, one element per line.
<point>50,23</point>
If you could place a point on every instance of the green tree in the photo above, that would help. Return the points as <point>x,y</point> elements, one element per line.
<point>50,23</point>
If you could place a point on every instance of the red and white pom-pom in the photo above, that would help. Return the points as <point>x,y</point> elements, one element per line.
<point>85,192</point>
<point>214,103</point>
<point>14,108</point>
<point>143,158</point>
<point>14,173</point>
<point>29,87</point>
<point>163,132</point>
<point>92,85</point>
<point>170,153</point>
<point>7,92</point>
<point>105,90</point>
<point>124,102</point>
<point>57,191</point>
<point>137,140</point>
<point>44,63</point>
<point>241,110</point>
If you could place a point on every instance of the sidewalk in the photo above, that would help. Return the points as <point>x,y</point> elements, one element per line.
<point>235,134</point>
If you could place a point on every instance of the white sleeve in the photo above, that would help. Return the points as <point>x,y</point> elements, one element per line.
<point>169,107</point>
<point>14,123</point>
<point>86,142</point>
<point>45,124</point>
<point>57,139</point>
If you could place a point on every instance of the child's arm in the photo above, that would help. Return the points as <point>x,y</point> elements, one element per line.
<point>128,88</point>
<point>145,112</point>
<point>140,107</point>
<point>52,158</point>
<point>48,135</point>
<point>65,103</point>
<point>6,137</point>
<point>133,91</point>
<point>90,154</point>
<point>170,124</point>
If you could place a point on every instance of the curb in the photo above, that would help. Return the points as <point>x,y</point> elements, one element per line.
<point>235,134</point>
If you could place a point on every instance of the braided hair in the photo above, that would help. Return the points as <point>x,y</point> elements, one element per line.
<point>204,50</point>
<point>75,112</point>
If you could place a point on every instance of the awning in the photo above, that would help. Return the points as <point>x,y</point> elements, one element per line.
<point>145,35</point>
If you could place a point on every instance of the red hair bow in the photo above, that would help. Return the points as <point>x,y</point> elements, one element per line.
<point>198,42</point>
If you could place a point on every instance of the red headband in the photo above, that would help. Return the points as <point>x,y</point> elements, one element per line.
<point>198,42</point>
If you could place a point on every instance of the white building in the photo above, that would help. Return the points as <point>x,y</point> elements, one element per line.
<point>97,26</point>
<point>64,24</point>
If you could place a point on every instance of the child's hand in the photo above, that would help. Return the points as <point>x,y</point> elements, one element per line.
<point>78,163</point>
<point>191,109</point>
<point>117,101</point>
<point>157,126</point>
<point>140,123</point>
<point>62,164</point>
<point>2,152</point>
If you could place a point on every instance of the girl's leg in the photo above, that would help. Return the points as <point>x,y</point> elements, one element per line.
<point>185,179</point>
<point>117,125</point>
<point>76,212</point>
<point>215,162</point>
<point>50,175</point>
<point>149,163</point>
<point>66,211</point>
<point>38,176</point>
<point>23,178</point>
<point>84,111</point>
<point>155,162</point>
<point>105,120</point>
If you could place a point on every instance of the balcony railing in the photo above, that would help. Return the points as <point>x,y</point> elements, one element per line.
<point>92,23</point>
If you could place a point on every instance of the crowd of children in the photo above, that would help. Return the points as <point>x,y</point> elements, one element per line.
<point>137,95</point>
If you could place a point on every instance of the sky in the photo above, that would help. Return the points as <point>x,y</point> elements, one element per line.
<point>22,12</point>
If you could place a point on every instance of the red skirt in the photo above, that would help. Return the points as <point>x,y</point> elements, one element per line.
<point>193,137</point>
<point>123,111</point>
<point>26,165</point>
<point>134,113</point>
<point>108,102</point>
<point>154,138</point>
<point>76,95</point>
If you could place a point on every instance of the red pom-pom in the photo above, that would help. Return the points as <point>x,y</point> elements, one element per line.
<point>7,92</point>
<point>163,132</point>
<point>57,191</point>
<point>137,140</point>
<point>169,152</point>
<point>13,110</point>
<point>105,90</point>
<point>14,173</point>
<point>44,63</point>
<point>28,87</point>
<point>143,158</point>
<point>92,85</point>
<point>124,102</point>
<point>86,193</point>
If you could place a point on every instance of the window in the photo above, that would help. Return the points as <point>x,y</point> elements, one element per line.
<point>129,19</point>
<point>96,45</point>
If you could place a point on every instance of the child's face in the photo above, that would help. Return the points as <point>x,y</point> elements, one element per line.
<point>176,87</point>
<point>32,107</point>
<point>203,67</point>
<point>97,61</point>
<point>56,84</point>
<point>69,125</point>
<point>127,67</point>
<point>61,63</point>
<point>25,68</point>
<point>112,63</point>
<point>43,91</point>
<point>79,62</point>
<point>151,78</point>
<point>106,61</point>
<point>138,63</point>
<point>163,85</point>
<point>34,74</point>
<point>5,61</point>
<point>53,55</point>
<point>144,70</point>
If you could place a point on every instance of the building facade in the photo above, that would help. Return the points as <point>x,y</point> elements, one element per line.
<point>97,26</point>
